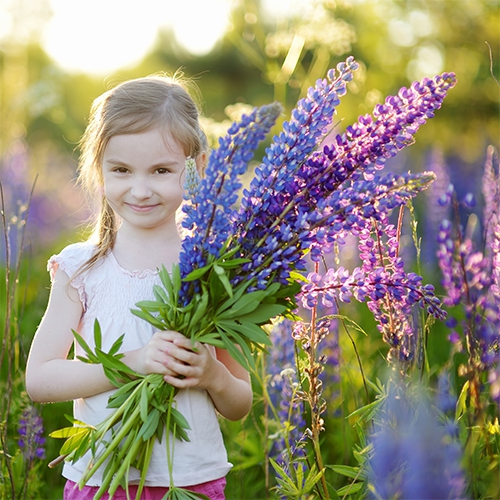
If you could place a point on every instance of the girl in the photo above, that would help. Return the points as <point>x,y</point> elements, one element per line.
<point>133,156</point>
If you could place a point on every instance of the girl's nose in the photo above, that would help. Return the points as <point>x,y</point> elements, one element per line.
<point>141,189</point>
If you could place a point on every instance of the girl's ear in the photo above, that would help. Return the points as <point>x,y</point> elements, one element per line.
<point>201,162</point>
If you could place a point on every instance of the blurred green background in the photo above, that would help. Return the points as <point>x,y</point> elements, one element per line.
<point>54,60</point>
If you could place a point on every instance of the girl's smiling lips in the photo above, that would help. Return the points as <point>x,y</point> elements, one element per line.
<point>141,208</point>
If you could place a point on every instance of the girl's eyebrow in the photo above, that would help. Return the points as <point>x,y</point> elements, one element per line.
<point>119,163</point>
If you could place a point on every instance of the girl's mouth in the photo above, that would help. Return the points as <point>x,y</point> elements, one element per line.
<point>141,208</point>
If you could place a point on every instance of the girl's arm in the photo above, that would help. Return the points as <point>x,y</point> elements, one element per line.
<point>50,376</point>
<point>226,381</point>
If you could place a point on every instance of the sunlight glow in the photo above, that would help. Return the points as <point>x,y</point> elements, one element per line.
<point>100,36</point>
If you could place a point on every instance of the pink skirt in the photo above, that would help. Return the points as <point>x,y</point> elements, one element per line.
<point>212,489</point>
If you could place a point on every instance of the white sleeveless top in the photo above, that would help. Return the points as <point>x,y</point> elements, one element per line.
<point>108,292</point>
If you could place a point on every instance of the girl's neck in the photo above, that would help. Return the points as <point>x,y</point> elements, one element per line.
<point>146,251</point>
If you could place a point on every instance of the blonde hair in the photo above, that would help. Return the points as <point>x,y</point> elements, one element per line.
<point>133,107</point>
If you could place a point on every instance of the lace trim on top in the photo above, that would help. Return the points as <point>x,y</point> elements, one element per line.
<point>146,273</point>
<point>55,263</point>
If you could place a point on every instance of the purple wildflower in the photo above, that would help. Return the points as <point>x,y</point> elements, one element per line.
<point>210,213</point>
<point>491,194</point>
<point>301,198</point>
<point>382,282</point>
<point>31,435</point>
<point>288,442</point>
<point>471,280</point>
<point>413,456</point>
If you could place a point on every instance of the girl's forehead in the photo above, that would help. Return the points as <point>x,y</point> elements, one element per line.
<point>161,137</point>
<point>151,142</point>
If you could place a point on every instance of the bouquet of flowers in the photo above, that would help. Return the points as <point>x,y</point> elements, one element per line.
<point>242,263</point>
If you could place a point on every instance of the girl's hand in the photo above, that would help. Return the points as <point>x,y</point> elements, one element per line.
<point>191,366</point>
<point>153,357</point>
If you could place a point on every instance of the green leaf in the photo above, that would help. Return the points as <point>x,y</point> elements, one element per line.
<point>284,479</point>
<point>116,346</point>
<point>199,310</point>
<point>367,411</point>
<point>253,332</point>
<point>263,314</point>
<point>150,425</point>
<point>243,305</point>
<point>113,363</point>
<point>196,274</point>
<point>176,281</point>
<point>346,470</point>
<point>150,305</point>
<point>160,294</point>
<point>74,441</point>
<point>166,282</point>
<point>221,274</point>
<point>211,339</point>
<point>349,489</point>
<point>312,478</point>
<point>462,401</point>
<point>296,276</point>
<point>233,263</point>
<point>236,353</point>
<point>122,394</point>
<point>67,432</point>
<point>91,356</point>
<point>149,318</point>
<point>180,423</point>
<point>97,334</point>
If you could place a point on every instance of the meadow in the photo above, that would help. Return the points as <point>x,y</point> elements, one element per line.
<point>385,384</point>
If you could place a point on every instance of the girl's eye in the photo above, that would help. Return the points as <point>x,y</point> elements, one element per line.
<point>120,170</point>
<point>162,170</point>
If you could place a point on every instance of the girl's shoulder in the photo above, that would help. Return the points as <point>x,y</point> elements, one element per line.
<point>72,257</point>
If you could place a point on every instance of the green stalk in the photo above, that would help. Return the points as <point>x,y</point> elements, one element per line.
<point>167,440</point>
<point>114,418</point>
<point>126,446</point>
<point>147,460</point>
<point>111,447</point>
<point>120,472</point>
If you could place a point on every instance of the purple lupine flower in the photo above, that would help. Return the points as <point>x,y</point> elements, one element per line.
<point>31,435</point>
<point>306,198</point>
<point>491,194</point>
<point>413,456</point>
<point>273,191</point>
<point>471,281</point>
<point>290,410</point>
<point>344,211</point>
<point>438,204</point>
<point>210,213</point>
<point>452,278</point>
<point>382,282</point>
<point>329,357</point>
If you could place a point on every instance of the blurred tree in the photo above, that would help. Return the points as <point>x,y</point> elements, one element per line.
<point>22,22</point>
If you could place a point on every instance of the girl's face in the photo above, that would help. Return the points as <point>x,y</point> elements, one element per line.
<point>144,178</point>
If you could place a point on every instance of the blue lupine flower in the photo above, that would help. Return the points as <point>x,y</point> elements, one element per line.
<point>491,194</point>
<point>31,435</point>
<point>280,366</point>
<point>471,278</point>
<point>298,190</point>
<point>413,456</point>
<point>210,214</point>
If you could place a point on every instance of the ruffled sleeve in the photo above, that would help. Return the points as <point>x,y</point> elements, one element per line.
<point>70,261</point>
